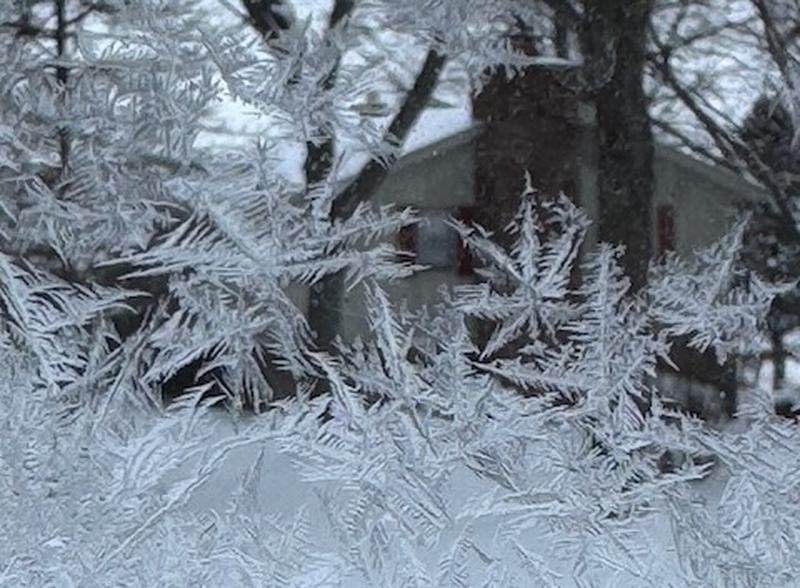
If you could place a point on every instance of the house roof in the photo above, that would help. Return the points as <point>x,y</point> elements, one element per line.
<point>715,174</point>
<point>727,180</point>
<point>439,147</point>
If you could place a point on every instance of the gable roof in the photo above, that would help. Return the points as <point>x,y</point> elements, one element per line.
<point>715,174</point>
<point>440,147</point>
<point>728,181</point>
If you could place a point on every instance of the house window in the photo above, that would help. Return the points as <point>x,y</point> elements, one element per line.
<point>665,229</point>
<point>437,242</point>
<point>466,262</point>
<point>407,242</point>
<point>432,242</point>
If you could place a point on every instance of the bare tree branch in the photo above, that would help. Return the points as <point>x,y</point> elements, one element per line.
<point>319,156</point>
<point>566,11</point>
<point>373,174</point>
<point>264,18</point>
<point>341,10</point>
<point>776,44</point>
<point>694,146</point>
<point>729,145</point>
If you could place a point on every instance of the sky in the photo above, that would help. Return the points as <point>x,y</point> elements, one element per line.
<point>731,72</point>
<point>243,125</point>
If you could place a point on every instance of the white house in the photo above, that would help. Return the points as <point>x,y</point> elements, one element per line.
<point>694,203</point>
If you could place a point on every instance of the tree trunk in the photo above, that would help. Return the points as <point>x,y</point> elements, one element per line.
<point>778,360</point>
<point>325,301</point>
<point>61,77</point>
<point>613,39</point>
<point>325,296</point>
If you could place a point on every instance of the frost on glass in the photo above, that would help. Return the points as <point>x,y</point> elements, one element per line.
<point>531,456</point>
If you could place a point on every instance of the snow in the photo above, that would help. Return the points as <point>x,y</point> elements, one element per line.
<point>281,490</point>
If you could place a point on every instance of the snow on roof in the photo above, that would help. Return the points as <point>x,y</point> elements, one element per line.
<point>439,147</point>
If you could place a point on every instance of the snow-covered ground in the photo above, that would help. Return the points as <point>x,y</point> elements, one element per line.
<point>282,492</point>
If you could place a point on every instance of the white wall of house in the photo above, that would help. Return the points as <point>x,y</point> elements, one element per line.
<point>701,202</point>
<point>703,199</point>
<point>440,175</point>
<point>415,291</point>
<point>437,181</point>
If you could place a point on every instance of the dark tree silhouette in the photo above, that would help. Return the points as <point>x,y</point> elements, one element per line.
<point>771,248</point>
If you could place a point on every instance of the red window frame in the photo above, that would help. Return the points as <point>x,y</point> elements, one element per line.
<point>466,259</point>
<point>665,228</point>
<point>407,242</point>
